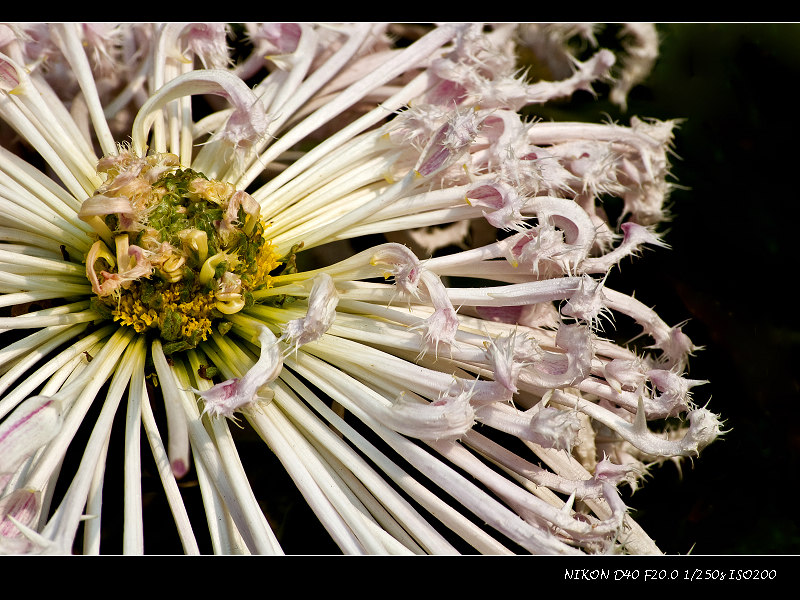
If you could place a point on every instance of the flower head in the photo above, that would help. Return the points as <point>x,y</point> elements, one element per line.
<point>182,250</point>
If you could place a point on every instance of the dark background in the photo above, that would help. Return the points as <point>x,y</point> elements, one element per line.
<point>734,237</point>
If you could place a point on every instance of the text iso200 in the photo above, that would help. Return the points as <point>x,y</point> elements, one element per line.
<point>751,574</point>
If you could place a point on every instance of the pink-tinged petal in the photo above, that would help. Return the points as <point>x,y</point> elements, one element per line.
<point>235,394</point>
<point>675,396</point>
<point>33,424</point>
<point>560,369</point>
<point>502,203</point>
<point>208,42</point>
<point>588,302</point>
<point>141,267</point>
<point>9,75</point>
<point>541,314</point>
<point>101,41</point>
<point>622,374</point>
<point>555,428</point>
<point>449,142</point>
<point>246,125</point>
<point>401,263</point>
<point>508,355</point>
<point>322,302</point>
<point>276,38</point>
<point>634,237</point>
<point>442,325</point>
<point>610,472</point>
<point>410,275</point>
<point>447,418</point>
<point>22,505</point>
<point>179,468</point>
<point>704,428</point>
<point>597,67</point>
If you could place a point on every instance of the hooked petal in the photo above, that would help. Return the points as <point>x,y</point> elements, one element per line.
<point>322,302</point>
<point>234,394</point>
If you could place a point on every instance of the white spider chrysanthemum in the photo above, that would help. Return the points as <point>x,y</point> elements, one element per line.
<point>147,237</point>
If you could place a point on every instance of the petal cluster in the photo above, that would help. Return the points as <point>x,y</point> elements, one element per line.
<point>420,330</point>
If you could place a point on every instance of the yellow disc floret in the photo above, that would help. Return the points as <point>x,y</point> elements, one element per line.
<point>175,320</point>
<point>176,252</point>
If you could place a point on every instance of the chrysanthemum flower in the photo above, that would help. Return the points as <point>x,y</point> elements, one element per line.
<point>160,255</point>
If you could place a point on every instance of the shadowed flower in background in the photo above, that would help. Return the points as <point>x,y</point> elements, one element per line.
<point>169,214</point>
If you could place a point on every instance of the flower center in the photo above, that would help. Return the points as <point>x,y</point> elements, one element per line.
<point>177,251</point>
